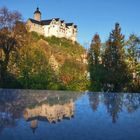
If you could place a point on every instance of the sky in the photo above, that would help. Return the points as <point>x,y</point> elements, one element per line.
<point>91,16</point>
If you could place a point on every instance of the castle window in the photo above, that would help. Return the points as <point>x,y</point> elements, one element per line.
<point>73,31</point>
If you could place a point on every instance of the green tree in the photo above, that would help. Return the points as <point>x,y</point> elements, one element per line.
<point>118,75</point>
<point>95,49</point>
<point>33,68</point>
<point>95,64</point>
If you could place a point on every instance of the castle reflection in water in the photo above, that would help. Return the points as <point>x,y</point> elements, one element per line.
<point>46,112</point>
<point>35,106</point>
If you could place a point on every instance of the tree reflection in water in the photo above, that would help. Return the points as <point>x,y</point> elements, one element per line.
<point>115,103</point>
<point>132,102</point>
<point>94,100</point>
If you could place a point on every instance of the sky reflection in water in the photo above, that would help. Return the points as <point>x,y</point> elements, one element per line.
<point>48,115</point>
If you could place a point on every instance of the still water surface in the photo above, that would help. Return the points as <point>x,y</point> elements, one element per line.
<point>55,115</point>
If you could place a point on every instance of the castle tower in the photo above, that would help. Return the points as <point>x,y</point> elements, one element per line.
<point>34,125</point>
<point>37,15</point>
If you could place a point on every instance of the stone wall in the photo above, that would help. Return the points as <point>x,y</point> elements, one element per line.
<point>35,27</point>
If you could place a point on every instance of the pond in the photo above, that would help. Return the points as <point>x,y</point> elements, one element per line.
<point>57,115</point>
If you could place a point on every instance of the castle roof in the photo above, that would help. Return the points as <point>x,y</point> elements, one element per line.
<point>69,24</point>
<point>37,11</point>
<point>57,19</point>
<point>47,22</point>
<point>35,21</point>
<point>62,21</point>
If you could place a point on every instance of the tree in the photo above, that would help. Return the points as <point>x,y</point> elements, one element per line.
<point>114,105</point>
<point>8,18</point>
<point>94,63</point>
<point>133,47</point>
<point>95,49</point>
<point>34,70</point>
<point>118,75</point>
<point>133,56</point>
<point>73,75</point>
<point>12,34</point>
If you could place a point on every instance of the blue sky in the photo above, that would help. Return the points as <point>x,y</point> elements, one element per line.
<point>91,16</point>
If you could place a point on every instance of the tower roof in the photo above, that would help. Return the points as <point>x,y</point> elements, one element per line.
<point>37,11</point>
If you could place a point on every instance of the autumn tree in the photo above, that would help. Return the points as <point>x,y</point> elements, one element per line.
<point>117,72</point>
<point>12,34</point>
<point>73,75</point>
<point>133,56</point>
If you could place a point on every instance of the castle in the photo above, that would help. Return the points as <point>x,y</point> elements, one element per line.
<point>46,112</point>
<point>50,113</point>
<point>52,27</point>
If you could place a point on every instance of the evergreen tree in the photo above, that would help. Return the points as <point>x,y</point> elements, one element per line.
<point>95,49</point>
<point>95,66</point>
<point>117,72</point>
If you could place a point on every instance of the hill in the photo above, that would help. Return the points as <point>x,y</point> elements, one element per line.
<point>48,63</point>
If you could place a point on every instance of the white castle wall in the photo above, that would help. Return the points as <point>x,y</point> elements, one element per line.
<point>56,28</point>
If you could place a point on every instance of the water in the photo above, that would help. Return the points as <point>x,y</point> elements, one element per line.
<point>48,115</point>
